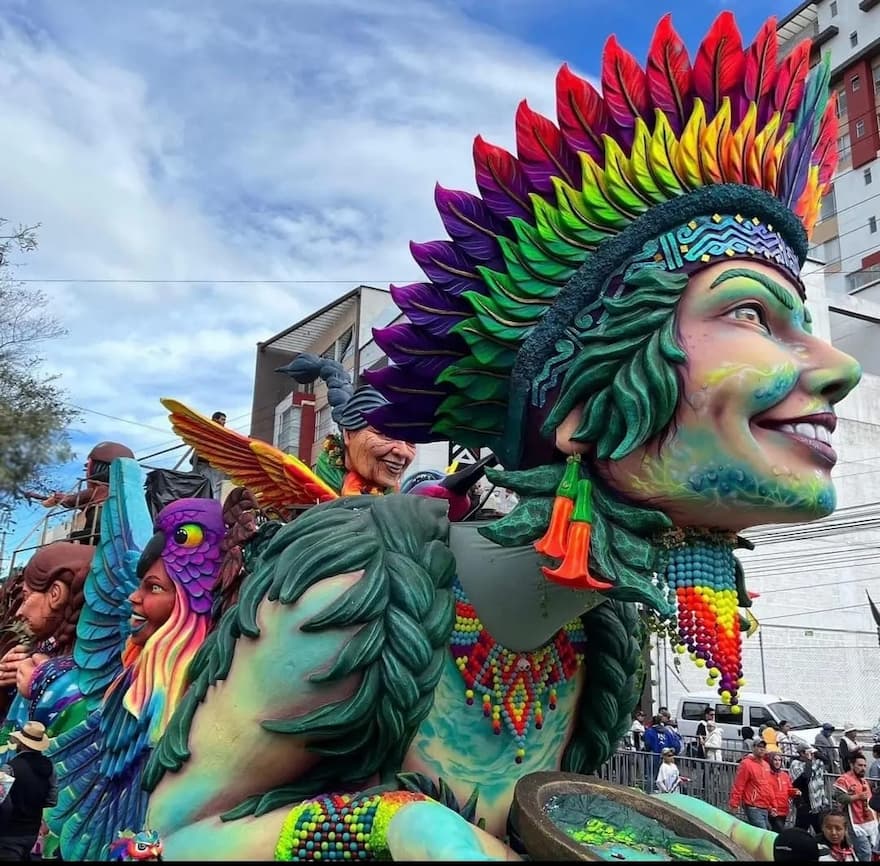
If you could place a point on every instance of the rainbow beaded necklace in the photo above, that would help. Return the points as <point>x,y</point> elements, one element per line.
<point>513,685</point>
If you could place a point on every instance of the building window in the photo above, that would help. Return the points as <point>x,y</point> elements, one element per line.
<point>872,225</point>
<point>834,8</point>
<point>868,178</point>
<point>828,206</point>
<point>854,39</point>
<point>831,253</point>
<point>288,433</point>
<point>841,102</point>
<point>843,146</point>
<point>860,129</point>
<point>855,83</point>
<point>876,72</point>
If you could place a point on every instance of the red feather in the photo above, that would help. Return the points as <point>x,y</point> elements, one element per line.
<point>624,85</point>
<point>669,74</point>
<point>542,150</point>
<point>501,180</point>
<point>718,69</point>
<point>760,71</point>
<point>581,112</point>
<point>790,82</point>
<point>825,152</point>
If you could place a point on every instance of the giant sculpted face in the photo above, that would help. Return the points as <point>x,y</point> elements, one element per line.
<point>750,441</point>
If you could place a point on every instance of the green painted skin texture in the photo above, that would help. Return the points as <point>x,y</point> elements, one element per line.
<point>456,743</point>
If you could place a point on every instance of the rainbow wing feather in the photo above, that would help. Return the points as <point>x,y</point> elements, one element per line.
<point>734,115</point>
<point>278,480</point>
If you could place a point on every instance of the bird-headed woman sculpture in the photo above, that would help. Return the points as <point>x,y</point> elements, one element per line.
<point>619,316</point>
<point>148,608</point>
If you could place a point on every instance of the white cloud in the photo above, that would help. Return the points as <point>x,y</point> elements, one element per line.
<point>271,140</point>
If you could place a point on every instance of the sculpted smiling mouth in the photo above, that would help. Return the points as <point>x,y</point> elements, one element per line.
<point>395,466</point>
<point>813,431</point>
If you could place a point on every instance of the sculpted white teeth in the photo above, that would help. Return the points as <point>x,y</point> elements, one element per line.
<point>808,431</point>
<point>786,428</point>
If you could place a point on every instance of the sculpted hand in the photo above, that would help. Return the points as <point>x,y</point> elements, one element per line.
<point>23,676</point>
<point>9,665</point>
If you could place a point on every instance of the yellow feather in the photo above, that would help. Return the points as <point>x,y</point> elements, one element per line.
<point>714,144</point>
<point>664,147</point>
<point>761,150</point>
<point>772,165</point>
<point>739,145</point>
<point>640,166</point>
<point>807,207</point>
<point>687,156</point>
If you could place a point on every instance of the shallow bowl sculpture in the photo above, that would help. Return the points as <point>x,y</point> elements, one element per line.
<point>545,839</point>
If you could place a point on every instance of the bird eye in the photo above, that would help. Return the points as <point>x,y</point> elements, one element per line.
<point>189,535</point>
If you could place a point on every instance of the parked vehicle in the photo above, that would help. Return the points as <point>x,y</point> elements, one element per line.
<point>757,710</point>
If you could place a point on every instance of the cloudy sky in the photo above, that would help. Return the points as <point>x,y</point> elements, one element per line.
<point>206,173</point>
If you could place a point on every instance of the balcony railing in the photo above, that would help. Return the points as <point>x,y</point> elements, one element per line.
<point>859,280</point>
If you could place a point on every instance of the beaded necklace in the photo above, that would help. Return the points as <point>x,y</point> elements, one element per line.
<point>701,571</point>
<point>513,685</point>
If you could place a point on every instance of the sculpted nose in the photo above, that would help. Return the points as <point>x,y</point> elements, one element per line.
<point>833,374</point>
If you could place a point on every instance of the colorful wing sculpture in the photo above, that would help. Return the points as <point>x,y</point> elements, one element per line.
<point>98,761</point>
<point>278,480</point>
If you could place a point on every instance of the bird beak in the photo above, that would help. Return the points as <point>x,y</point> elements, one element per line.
<point>151,553</point>
<point>460,482</point>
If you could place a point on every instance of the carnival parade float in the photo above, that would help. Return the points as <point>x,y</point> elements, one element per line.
<point>618,316</point>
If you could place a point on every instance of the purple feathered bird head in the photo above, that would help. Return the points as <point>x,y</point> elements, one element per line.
<point>188,537</point>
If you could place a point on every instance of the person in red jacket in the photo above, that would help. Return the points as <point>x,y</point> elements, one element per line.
<point>782,791</point>
<point>752,789</point>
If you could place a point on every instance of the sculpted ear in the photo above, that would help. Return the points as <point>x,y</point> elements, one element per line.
<point>58,594</point>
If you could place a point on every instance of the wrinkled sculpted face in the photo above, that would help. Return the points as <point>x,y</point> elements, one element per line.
<point>152,603</point>
<point>42,610</point>
<point>377,458</point>
<point>751,439</point>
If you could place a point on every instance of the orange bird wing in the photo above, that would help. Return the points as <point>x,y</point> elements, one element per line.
<point>275,478</point>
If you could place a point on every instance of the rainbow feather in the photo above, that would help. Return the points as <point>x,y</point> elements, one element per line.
<point>669,75</point>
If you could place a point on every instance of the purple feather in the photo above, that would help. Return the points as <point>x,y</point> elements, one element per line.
<point>795,166</point>
<point>447,266</point>
<point>405,344</point>
<point>472,225</point>
<point>431,308</point>
<point>193,566</point>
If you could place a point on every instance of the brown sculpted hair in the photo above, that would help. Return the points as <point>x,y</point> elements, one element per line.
<point>69,564</point>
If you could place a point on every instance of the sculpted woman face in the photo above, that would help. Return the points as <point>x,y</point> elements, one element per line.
<point>376,457</point>
<point>751,439</point>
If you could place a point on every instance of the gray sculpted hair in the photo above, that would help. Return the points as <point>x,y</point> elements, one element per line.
<point>349,407</point>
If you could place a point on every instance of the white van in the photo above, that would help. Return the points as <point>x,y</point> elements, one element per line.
<point>757,710</point>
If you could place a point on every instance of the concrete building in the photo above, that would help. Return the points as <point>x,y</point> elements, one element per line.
<point>296,418</point>
<point>846,238</point>
<point>817,643</point>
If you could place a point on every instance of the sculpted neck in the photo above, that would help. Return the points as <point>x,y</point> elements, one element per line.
<point>515,603</point>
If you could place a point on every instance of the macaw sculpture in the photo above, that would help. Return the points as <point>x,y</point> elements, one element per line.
<point>129,846</point>
<point>619,316</point>
<point>147,610</point>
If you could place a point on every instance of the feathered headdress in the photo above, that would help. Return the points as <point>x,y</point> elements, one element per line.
<point>674,165</point>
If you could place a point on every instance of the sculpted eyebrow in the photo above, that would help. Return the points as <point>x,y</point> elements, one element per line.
<point>779,292</point>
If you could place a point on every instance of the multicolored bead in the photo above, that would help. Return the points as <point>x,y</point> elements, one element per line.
<point>513,685</point>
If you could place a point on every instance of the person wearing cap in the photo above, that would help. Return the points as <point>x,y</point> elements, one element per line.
<point>827,749</point>
<point>847,746</point>
<point>34,789</point>
<point>668,777</point>
<point>808,776</point>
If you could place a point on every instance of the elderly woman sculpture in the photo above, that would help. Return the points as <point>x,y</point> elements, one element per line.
<point>360,460</point>
<point>620,318</point>
<point>54,579</point>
